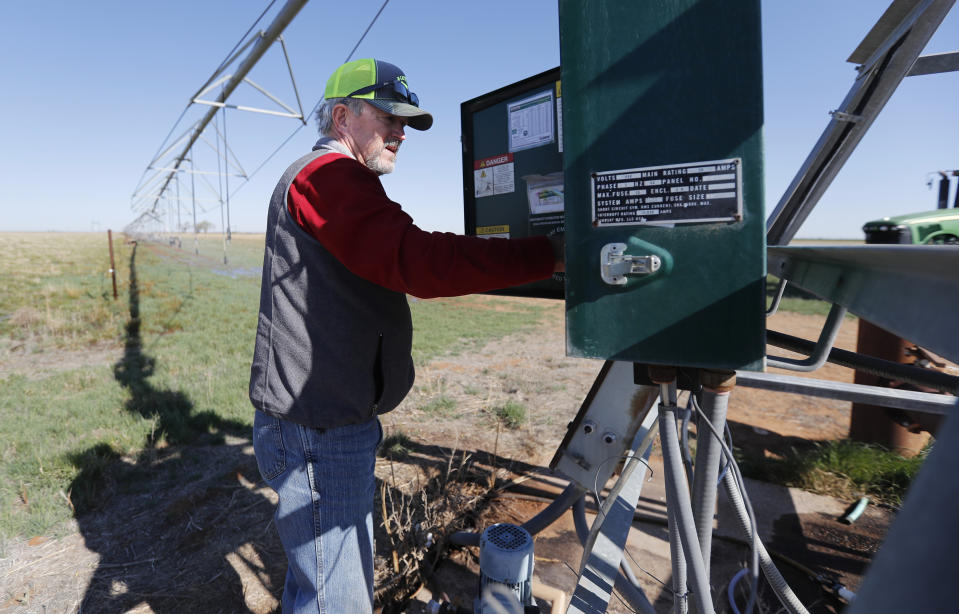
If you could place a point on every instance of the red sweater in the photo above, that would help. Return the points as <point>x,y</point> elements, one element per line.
<point>342,204</point>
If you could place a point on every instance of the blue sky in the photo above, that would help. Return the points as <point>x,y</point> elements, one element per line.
<point>91,89</point>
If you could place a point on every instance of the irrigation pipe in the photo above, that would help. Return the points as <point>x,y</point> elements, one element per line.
<point>537,523</point>
<point>554,510</point>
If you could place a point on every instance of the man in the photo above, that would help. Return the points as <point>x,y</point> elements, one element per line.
<point>334,333</point>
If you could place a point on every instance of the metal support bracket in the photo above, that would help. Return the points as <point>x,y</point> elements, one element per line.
<point>604,548</point>
<point>615,265</point>
<point>839,116</point>
<point>821,352</point>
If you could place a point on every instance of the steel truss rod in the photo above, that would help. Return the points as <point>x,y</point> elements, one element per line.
<point>910,400</point>
<point>199,200</point>
<point>273,31</point>
<point>144,183</point>
<point>189,172</point>
<point>935,63</point>
<point>229,60</point>
<point>917,376</point>
<point>221,155</point>
<point>296,91</point>
<point>889,52</point>
<point>172,146</point>
<point>228,153</point>
<point>240,107</point>
<point>290,112</point>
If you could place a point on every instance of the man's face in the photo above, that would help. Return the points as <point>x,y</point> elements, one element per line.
<point>374,137</point>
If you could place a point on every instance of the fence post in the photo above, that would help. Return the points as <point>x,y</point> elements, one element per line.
<point>113,266</point>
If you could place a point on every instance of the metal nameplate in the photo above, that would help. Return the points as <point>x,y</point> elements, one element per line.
<point>697,192</point>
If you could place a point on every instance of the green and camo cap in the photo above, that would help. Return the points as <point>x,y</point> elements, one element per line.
<point>381,84</point>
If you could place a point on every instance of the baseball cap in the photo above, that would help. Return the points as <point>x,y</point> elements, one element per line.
<point>381,84</point>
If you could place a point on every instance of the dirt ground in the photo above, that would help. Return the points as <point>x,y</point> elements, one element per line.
<point>206,543</point>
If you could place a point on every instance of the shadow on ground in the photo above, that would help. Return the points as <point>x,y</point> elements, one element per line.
<point>186,526</point>
<point>176,528</point>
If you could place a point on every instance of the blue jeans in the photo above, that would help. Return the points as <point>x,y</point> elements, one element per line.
<point>324,517</point>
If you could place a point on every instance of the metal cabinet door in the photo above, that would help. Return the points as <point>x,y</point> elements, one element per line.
<point>663,162</point>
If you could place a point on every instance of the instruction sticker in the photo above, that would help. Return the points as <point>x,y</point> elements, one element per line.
<point>489,232</point>
<point>545,193</point>
<point>494,176</point>
<point>696,192</point>
<point>531,121</point>
<point>559,115</point>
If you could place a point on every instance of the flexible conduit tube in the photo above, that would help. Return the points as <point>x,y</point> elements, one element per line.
<point>626,582</point>
<point>786,596</point>
<point>678,559</point>
<point>678,499</point>
<point>708,454</point>
<point>555,509</point>
<point>731,589</point>
<point>684,442</point>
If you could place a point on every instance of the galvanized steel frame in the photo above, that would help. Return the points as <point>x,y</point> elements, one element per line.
<point>883,284</point>
<point>888,54</point>
<point>156,186</point>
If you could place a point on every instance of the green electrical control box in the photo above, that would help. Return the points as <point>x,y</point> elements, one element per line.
<point>662,133</point>
<point>513,166</point>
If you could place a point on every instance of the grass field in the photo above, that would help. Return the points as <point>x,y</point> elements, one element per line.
<point>88,380</point>
<point>93,385</point>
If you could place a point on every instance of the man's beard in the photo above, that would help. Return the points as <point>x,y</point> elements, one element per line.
<point>375,162</point>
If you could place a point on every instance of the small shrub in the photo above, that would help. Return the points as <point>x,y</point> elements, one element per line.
<point>439,405</point>
<point>511,414</point>
<point>397,445</point>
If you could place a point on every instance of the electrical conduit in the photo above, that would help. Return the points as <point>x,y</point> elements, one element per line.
<point>708,456</point>
<point>786,596</point>
<point>678,499</point>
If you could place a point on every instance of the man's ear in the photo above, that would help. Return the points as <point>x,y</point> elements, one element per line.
<point>341,116</point>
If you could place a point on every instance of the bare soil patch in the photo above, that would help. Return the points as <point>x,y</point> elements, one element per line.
<point>189,530</point>
<point>29,359</point>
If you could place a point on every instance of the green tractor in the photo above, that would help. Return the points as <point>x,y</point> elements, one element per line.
<point>938,227</point>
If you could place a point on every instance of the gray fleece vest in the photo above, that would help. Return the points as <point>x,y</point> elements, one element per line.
<point>331,348</point>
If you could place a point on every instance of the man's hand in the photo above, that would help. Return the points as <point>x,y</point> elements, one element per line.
<point>558,242</point>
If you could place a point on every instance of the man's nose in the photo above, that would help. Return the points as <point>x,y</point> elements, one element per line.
<point>399,130</point>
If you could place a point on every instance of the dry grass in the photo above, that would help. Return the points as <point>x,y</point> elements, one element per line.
<point>421,501</point>
<point>58,290</point>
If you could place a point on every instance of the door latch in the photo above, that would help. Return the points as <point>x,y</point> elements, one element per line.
<point>615,265</point>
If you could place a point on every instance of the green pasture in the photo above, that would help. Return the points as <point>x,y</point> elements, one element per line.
<point>92,385</point>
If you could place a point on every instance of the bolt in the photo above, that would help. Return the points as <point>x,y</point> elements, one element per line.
<point>589,427</point>
<point>609,437</point>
